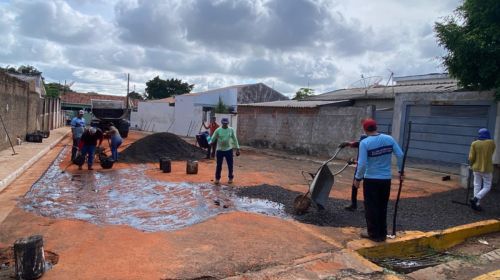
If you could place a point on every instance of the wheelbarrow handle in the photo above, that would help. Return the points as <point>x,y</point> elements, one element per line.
<point>343,168</point>
<point>337,151</point>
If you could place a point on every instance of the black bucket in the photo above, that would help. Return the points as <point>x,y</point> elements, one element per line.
<point>165,165</point>
<point>106,162</point>
<point>79,159</point>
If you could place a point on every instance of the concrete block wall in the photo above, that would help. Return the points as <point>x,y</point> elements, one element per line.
<point>22,110</point>
<point>14,97</point>
<point>312,131</point>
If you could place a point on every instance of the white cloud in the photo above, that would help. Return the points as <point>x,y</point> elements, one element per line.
<point>215,43</point>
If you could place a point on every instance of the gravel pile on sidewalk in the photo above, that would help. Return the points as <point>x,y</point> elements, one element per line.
<point>152,147</point>
<point>434,212</point>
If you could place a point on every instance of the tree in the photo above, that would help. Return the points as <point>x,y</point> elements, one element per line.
<point>135,95</point>
<point>303,93</point>
<point>56,89</point>
<point>472,38</point>
<point>158,88</point>
<point>221,108</point>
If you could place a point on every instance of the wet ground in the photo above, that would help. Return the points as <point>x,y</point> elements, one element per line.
<point>434,212</point>
<point>128,197</point>
<point>106,227</point>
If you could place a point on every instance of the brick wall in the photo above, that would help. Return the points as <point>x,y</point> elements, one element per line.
<point>313,131</point>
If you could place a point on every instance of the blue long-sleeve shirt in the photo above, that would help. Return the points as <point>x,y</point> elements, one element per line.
<point>77,127</point>
<point>375,156</point>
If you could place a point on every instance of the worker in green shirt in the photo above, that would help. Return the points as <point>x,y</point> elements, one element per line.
<point>480,159</point>
<point>225,139</point>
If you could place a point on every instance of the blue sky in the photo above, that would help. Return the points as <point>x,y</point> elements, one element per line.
<point>287,44</point>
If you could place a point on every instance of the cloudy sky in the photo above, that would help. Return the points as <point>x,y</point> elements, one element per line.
<point>287,44</point>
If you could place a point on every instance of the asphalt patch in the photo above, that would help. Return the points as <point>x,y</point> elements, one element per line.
<point>435,212</point>
<point>152,147</point>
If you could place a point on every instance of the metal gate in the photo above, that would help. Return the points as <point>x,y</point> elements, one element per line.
<point>443,133</point>
<point>384,120</point>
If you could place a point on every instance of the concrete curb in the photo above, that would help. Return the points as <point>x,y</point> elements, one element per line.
<point>437,240</point>
<point>4,183</point>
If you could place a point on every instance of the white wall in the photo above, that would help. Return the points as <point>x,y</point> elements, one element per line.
<point>189,109</point>
<point>228,95</point>
<point>153,116</point>
<point>233,120</point>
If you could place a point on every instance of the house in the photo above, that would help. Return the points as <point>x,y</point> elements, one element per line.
<point>445,119</point>
<point>185,118</point>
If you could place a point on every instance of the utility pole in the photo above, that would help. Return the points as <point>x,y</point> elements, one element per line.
<point>128,84</point>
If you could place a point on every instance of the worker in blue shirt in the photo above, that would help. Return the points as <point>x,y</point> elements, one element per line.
<point>77,128</point>
<point>374,167</point>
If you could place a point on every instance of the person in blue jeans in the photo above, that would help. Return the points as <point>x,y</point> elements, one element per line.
<point>77,129</point>
<point>374,168</point>
<point>88,142</point>
<point>116,141</point>
<point>226,140</point>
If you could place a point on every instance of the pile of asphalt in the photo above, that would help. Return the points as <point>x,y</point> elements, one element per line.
<point>433,212</point>
<point>155,146</point>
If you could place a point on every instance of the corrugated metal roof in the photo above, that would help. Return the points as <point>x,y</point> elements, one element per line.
<point>383,92</point>
<point>295,104</point>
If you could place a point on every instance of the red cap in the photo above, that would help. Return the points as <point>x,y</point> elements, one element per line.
<point>369,125</point>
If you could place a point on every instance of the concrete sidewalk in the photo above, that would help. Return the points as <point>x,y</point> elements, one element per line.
<point>12,166</point>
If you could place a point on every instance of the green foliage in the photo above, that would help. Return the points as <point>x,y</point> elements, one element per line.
<point>56,89</point>
<point>303,93</point>
<point>158,88</point>
<point>221,108</point>
<point>23,69</point>
<point>472,37</point>
<point>135,95</point>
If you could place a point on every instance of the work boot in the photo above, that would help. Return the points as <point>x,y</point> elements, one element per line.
<point>473,203</point>
<point>230,181</point>
<point>351,208</point>
<point>217,181</point>
<point>90,168</point>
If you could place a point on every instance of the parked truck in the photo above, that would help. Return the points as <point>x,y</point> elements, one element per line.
<point>116,112</point>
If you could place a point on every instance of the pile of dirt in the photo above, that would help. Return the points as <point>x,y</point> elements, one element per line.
<point>152,147</point>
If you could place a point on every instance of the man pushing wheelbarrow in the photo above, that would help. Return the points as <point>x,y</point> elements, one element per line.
<point>320,187</point>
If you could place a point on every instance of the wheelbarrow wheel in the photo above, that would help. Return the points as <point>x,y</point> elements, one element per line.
<point>301,204</point>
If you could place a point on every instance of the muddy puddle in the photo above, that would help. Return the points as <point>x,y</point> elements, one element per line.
<point>129,197</point>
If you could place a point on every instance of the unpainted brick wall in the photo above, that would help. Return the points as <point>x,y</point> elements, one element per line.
<point>313,131</point>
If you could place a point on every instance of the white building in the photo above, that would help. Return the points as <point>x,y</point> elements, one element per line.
<point>185,118</point>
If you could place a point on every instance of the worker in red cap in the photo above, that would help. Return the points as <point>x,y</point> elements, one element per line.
<point>374,168</point>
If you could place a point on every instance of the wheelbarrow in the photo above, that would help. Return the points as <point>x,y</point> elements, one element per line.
<point>320,186</point>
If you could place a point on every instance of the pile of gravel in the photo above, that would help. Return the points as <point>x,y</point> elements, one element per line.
<point>435,212</point>
<point>155,146</point>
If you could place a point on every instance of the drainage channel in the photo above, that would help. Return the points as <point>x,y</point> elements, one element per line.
<point>129,197</point>
<point>410,264</point>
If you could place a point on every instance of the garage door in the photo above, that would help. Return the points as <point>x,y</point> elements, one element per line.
<point>384,120</point>
<point>444,133</point>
